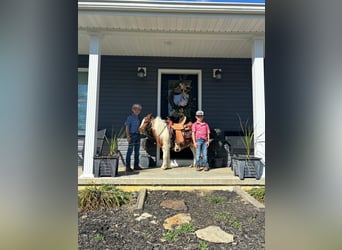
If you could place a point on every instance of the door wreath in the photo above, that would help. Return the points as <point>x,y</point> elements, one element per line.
<point>180,99</point>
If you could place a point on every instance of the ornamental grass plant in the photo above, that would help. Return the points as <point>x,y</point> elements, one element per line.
<point>248,134</point>
<point>113,141</point>
<point>102,197</point>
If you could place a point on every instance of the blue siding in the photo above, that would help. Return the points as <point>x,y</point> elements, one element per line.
<point>221,99</point>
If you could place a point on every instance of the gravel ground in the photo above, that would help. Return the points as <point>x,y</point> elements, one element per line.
<point>118,228</point>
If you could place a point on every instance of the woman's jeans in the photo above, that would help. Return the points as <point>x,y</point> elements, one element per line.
<point>133,145</point>
<point>201,149</point>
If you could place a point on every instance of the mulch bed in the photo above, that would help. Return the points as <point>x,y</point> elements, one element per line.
<point>118,228</point>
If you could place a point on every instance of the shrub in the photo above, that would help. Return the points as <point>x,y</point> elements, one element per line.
<point>102,197</point>
<point>257,193</point>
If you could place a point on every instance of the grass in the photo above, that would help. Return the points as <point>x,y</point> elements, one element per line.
<point>257,193</point>
<point>251,220</point>
<point>102,197</point>
<point>203,245</point>
<point>235,224</point>
<point>222,216</point>
<point>216,199</point>
<point>229,218</point>
<point>172,235</point>
<point>99,237</point>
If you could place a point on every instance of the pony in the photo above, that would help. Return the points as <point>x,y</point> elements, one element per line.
<point>159,129</point>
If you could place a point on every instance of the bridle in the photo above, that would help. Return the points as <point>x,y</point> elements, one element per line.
<point>146,127</point>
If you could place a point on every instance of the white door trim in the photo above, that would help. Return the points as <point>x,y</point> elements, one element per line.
<point>197,72</point>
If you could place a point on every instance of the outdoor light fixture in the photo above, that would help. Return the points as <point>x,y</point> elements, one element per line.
<point>141,72</point>
<point>217,73</point>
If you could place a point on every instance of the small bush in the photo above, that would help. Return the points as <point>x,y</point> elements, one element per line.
<point>257,193</point>
<point>102,197</point>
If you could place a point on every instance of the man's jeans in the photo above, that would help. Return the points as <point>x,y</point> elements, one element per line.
<point>201,149</point>
<point>133,145</point>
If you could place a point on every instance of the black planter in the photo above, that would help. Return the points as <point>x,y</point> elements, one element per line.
<point>106,166</point>
<point>245,168</point>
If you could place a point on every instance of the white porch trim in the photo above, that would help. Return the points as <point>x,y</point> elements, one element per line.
<point>92,105</point>
<point>258,97</point>
<point>188,8</point>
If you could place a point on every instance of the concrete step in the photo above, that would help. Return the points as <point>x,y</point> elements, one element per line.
<point>177,176</point>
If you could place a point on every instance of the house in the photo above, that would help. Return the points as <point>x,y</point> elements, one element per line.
<point>211,54</point>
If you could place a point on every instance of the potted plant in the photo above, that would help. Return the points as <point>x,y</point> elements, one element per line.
<point>247,165</point>
<point>108,165</point>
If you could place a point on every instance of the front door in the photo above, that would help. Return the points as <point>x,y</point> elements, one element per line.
<point>179,96</point>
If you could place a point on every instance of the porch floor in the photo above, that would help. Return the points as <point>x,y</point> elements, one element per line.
<point>177,176</point>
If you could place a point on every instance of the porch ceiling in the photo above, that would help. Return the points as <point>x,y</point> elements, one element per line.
<point>136,28</point>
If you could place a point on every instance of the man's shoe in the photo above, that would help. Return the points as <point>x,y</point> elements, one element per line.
<point>198,168</point>
<point>206,169</point>
<point>137,168</point>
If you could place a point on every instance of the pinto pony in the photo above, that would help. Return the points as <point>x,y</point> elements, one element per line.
<point>159,129</point>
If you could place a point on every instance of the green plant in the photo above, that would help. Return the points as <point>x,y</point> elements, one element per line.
<point>222,216</point>
<point>228,217</point>
<point>99,237</point>
<point>216,199</point>
<point>102,197</point>
<point>172,235</point>
<point>251,219</point>
<point>203,245</point>
<point>248,135</point>
<point>257,193</point>
<point>113,140</point>
<point>235,224</point>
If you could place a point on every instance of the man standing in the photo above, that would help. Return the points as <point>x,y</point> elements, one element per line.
<point>133,137</point>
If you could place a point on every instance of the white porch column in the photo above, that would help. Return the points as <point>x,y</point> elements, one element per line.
<point>258,97</point>
<point>92,105</point>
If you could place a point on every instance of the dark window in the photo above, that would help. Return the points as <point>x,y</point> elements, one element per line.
<point>82,101</point>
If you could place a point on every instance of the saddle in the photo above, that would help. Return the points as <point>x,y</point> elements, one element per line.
<point>182,130</point>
